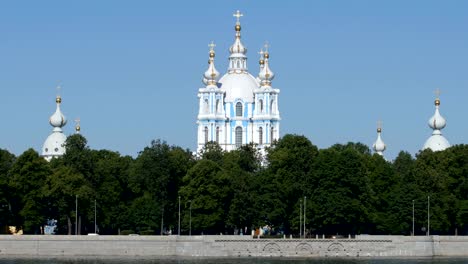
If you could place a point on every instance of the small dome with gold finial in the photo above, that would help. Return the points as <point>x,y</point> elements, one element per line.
<point>211,75</point>
<point>54,145</point>
<point>238,47</point>
<point>379,146</point>
<point>266,75</point>
<point>437,142</point>
<point>58,119</point>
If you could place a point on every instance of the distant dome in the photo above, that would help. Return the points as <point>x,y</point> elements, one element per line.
<point>54,144</point>
<point>238,86</point>
<point>436,142</point>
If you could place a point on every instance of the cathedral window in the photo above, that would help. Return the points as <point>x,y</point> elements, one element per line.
<point>217,135</point>
<point>260,136</point>
<point>238,137</point>
<point>207,109</point>
<point>261,105</point>
<point>271,106</point>
<point>271,135</point>
<point>217,105</point>
<point>206,134</point>
<point>239,109</point>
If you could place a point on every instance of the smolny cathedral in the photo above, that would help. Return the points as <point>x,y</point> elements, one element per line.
<point>237,108</point>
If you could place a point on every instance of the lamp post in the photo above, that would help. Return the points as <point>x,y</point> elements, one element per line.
<point>95,221</point>
<point>305,201</point>
<point>162,220</point>
<point>76,215</point>
<point>300,218</point>
<point>413,218</point>
<point>178,231</point>
<point>190,219</point>
<point>428,215</point>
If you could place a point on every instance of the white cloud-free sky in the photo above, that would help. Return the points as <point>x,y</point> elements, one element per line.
<point>130,70</point>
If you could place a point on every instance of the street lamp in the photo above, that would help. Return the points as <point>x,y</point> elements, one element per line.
<point>428,216</point>
<point>300,218</point>
<point>95,222</point>
<point>305,201</point>
<point>76,215</point>
<point>178,232</point>
<point>190,221</point>
<point>413,218</point>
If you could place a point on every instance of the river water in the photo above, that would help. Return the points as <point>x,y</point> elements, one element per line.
<point>238,261</point>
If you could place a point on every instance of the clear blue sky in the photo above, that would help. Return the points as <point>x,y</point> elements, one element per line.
<point>131,69</point>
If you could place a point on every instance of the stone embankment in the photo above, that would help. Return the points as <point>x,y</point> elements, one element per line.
<point>231,246</point>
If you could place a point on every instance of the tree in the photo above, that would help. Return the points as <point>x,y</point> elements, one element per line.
<point>28,175</point>
<point>6,162</point>
<point>287,179</point>
<point>207,189</point>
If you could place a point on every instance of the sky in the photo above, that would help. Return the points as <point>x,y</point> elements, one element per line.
<point>131,70</point>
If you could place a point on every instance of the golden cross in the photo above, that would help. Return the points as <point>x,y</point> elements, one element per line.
<point>211,45</point>
<point>238,15</point>
<point>77,121</point>
<point>379,124</point>
<point>437,92</point>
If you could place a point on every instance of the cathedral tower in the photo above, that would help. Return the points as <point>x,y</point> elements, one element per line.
<point>238,109</point>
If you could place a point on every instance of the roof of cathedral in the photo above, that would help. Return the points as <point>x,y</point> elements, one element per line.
<point>436,141</point>
<point>238,83</point>
<point>238,86</point>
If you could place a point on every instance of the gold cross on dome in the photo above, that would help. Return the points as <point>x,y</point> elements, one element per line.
<point>238,15</point>
<point>437,93</point>
<point>77,121</point>
<point>211,45</point>
<point>379,124</point>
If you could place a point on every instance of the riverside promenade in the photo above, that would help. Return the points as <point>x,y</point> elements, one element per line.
<point>231,246</point>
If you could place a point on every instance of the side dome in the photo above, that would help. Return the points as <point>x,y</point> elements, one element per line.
<point>238,86</point>
<point>436,142</point>
<point>54,145</point>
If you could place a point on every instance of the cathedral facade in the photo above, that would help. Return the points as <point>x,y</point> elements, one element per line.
<point>238,108</point>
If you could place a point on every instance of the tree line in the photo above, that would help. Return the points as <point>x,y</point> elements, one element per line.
<point>348,190</point>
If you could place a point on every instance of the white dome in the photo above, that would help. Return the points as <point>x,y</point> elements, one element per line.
<point>436,142</point>
<point>54,144</point>
<point>437,121</point>
<point>58,119</point>
<point>238,86</point>
<point>379,145</point>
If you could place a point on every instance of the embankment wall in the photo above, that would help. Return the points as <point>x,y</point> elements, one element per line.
<point>231,246</point>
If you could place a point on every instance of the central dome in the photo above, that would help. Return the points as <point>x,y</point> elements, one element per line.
<point>238,86</point>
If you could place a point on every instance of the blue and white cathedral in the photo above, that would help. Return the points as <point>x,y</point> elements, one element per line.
<point>238,108</point>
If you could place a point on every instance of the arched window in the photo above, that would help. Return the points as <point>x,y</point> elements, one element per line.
<point>239,109</point>
<point>217,135</point>
<point>272,106</point>
<point>260,136</point>
<point>217,105</point>
<point>238,136</point>
<point>272,135</point>
<point>206,134</point>
<point>206,106</point>
<point>261,105</point>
